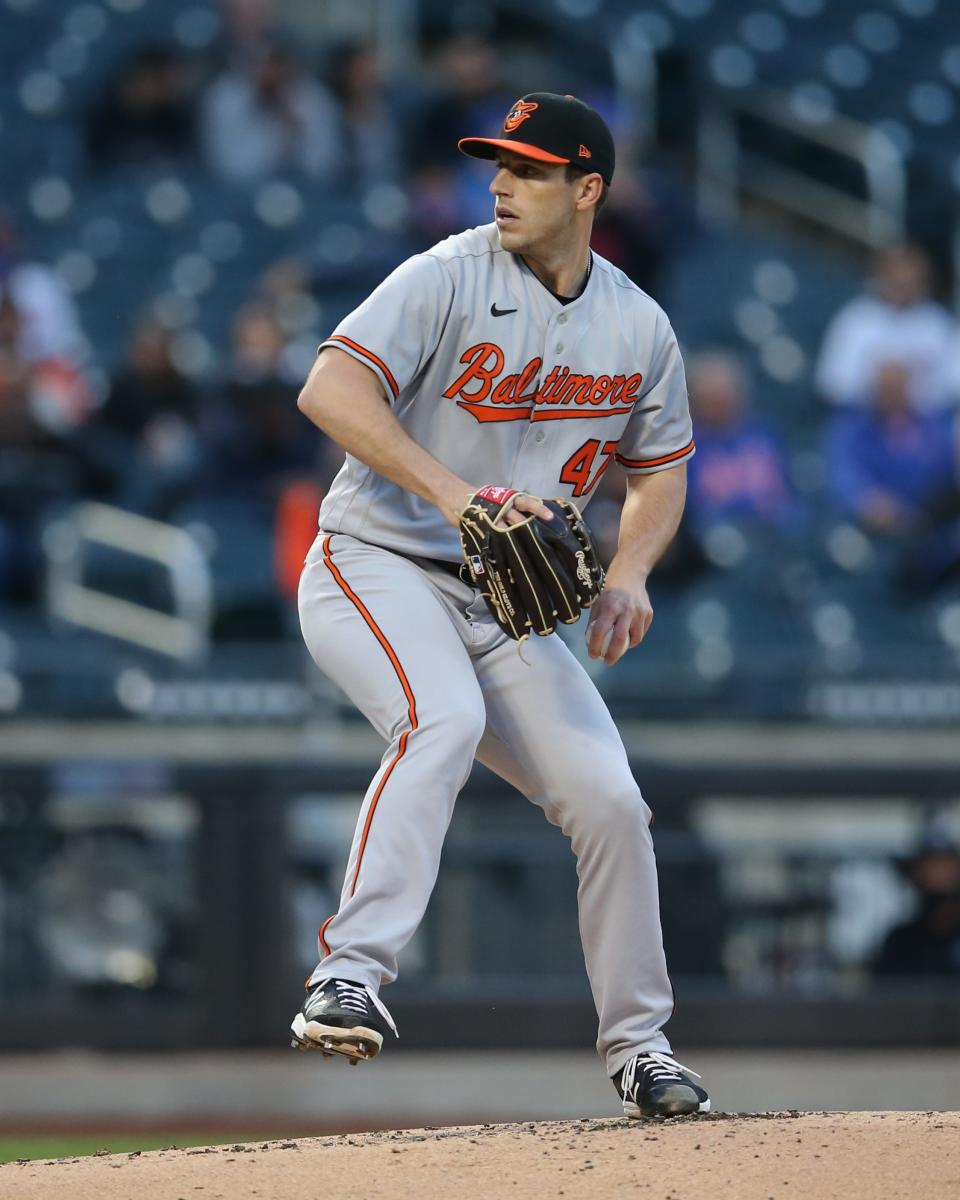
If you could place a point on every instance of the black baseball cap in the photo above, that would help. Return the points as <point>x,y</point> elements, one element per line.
<point>551,129</point>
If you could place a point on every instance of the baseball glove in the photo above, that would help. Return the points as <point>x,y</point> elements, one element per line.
<point>534,573</point>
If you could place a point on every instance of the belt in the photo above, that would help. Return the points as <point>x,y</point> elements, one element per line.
<point>457,570</point>
<point>451,568</point>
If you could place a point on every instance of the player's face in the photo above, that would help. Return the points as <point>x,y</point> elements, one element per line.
<point>535,204</point>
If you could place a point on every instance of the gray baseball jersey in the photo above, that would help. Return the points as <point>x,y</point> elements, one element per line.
<point>505,384</point>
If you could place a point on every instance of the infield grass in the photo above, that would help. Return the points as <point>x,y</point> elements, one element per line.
<point>26,1146</point>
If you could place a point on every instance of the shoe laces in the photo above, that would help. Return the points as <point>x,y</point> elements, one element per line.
<point>358,997</point>
<point>660,1067</point>
<point>352,995</point>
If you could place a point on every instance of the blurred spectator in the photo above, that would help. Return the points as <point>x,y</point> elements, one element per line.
<point>262,439</point>
<point>468,97</point>
<point>895,471</point>
<point>885,462</point>
<point>294,532</point>
<point>285,287</point>
<point>739,472</point>
<point>267,117</point>
<point>47,322</point>
<point>247,27</point>
<point>434,203</point>
<point>42,404</point>
<point>145,114</point>
<point>928,945</point>
<point>42,400</point>
<point>369,132</point>
<point>682,561</point>
<point>643,220</point>
<point>145,447</point>
<point>606,504</point>
<point>896,319</point>
<point>447,189</point>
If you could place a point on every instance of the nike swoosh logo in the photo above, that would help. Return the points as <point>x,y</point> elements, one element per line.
<point>500,312</point>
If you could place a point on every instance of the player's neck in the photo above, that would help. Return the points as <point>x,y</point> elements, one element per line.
<point>563,269</point>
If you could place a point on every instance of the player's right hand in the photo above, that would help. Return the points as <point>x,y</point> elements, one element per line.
<point>525,505</point>
<point>522,505</point>
<point>619,620</point>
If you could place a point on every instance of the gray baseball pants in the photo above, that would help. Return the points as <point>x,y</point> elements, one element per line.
<point>419,655</point>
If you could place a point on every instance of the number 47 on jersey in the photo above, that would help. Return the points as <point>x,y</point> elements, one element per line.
<point>582,471</point>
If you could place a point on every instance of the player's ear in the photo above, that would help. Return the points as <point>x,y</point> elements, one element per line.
<point>589,190</point>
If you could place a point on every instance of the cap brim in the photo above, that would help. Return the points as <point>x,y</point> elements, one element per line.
<point>488,147</point>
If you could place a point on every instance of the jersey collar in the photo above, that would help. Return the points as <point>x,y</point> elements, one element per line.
<point>563,300</point>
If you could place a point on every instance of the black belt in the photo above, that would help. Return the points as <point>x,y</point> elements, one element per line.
<point>451,568</point>
<point>457,570</point>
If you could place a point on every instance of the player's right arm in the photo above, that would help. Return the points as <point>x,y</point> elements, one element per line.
<point>347,401</point>
<point>364,366</point>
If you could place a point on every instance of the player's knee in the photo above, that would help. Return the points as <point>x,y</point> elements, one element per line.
<point>459,722</point>
<point>628,809</point>
<point>617,808</point>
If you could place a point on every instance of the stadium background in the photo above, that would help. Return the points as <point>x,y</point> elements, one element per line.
<point>178,785</point>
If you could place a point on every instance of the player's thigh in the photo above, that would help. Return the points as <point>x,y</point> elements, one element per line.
<point>549,732</point>
<point>377,628</point>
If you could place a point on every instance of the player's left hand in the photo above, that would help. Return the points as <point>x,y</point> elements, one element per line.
<point>619,620</point>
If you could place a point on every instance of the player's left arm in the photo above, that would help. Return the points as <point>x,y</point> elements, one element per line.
<point>651,514</point>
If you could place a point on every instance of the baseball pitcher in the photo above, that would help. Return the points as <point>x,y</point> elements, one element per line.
<point>479,394</point>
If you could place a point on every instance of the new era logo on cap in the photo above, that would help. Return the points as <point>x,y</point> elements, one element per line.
<point>551,129</point>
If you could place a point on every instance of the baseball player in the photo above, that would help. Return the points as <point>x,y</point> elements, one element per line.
<point>507,357</point>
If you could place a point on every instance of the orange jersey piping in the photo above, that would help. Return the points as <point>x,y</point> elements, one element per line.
<point>656,462</point>
<point>368,354</point>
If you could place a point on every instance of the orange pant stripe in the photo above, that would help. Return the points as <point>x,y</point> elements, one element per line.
<point>411,715</point>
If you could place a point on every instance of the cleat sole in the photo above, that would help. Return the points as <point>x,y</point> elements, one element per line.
<point>636,1113</point>
<point>359,1044</point>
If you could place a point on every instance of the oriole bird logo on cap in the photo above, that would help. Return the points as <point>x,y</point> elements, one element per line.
<point>518,114</point>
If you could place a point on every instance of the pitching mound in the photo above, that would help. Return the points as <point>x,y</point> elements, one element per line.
<point>850,1156</point>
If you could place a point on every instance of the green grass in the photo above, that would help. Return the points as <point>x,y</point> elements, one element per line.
<point>74,1146</point>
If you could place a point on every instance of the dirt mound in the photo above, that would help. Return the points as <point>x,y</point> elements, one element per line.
<point>764,1156</point>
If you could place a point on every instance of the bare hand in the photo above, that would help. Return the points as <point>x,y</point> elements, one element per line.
<point>521,508</point>
<point>618,621</point>
<point>524,506</point>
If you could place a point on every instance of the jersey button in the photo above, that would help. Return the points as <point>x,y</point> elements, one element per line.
<point>540,435</point>
<point>559,347</point>
<point>562,319</point>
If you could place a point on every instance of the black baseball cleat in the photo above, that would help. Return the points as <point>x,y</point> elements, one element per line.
<point>655,1085</point>
<point>339,1017</point>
